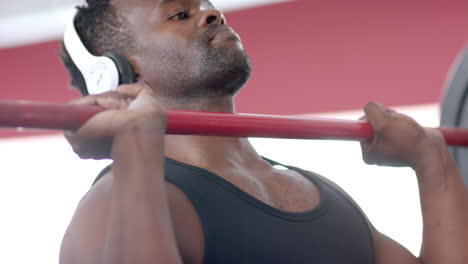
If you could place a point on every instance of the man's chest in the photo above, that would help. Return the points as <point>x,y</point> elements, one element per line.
<point>225,217</point>
<point>285,190</point>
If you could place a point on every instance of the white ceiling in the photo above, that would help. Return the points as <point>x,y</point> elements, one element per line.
<point>10,8</point>
<point>25,22</point>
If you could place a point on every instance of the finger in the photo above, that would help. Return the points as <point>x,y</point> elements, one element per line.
<point>108,100</point>
<point>377,115</point>
<point>68,134</point>
<point>133,90</point>
<point>112,102</point>
<point>366,146</point>
<point>146,91</point>
<point>87,100</point>
<point>367,159</point>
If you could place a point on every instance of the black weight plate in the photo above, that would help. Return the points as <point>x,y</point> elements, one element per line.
<point>454,108</point>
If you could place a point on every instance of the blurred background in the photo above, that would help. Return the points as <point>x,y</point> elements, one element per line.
<point>310,57</point>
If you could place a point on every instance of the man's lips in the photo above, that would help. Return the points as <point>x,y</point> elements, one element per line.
<point>224,32</point>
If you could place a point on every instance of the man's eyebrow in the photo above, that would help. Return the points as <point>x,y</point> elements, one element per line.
<point>166,2</point>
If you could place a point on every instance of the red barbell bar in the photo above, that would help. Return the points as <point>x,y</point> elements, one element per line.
<point>29,114</point>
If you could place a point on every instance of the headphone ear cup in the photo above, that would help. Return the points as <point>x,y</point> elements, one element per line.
<point>126,73</point>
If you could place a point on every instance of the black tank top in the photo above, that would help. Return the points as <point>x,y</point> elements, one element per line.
<point>240,229</point>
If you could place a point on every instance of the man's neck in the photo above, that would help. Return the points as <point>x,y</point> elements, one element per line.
<point>216,153</point>
<point>209,152</point>
<point>225,104</point>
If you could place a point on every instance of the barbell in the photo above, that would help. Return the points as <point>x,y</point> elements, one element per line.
<point>30,114</point>
<point>454,120</point>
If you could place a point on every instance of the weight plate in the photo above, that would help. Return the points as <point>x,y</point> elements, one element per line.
<point>454,107</point>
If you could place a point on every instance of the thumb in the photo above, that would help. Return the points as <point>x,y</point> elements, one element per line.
<point>134,89</point>
<point>146,90</point>
<point>146,101</point>
<point>377,115</point>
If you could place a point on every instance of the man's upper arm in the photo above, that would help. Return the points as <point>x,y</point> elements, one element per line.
<point>386,250</point>
<point>86,234</point>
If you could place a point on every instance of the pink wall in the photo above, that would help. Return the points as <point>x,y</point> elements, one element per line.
<point>308,56</point>
<point>328,55</point>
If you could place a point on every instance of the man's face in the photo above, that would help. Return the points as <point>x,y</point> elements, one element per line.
<point>184,49</point>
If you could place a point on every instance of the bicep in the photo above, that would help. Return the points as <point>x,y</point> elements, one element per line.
<point>388,251</point>
<point>84,239</point>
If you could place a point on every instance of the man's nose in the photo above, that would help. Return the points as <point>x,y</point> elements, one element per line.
<point>212,16</point>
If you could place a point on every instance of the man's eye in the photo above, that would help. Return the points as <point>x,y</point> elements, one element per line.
<point>180,16</point>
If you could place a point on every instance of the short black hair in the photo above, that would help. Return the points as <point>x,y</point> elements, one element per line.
<point>101,30</point>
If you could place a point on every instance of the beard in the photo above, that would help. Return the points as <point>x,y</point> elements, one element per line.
<point>224,71</point>
<point>203,71</point>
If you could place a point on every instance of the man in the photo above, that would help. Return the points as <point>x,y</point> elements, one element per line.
<point>193,199</point>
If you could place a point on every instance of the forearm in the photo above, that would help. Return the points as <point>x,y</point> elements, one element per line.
<point>139,224</point>
<point>444,203</point>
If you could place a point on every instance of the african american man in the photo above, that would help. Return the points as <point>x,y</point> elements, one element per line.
<point>194,199</point>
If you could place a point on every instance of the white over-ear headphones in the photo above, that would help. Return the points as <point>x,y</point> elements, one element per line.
<point>101,73</point>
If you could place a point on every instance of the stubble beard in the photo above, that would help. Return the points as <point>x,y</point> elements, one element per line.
<point>223,71</point>
<point>205,72</point>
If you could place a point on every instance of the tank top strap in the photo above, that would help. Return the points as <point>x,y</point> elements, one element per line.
<point>102,173</point>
